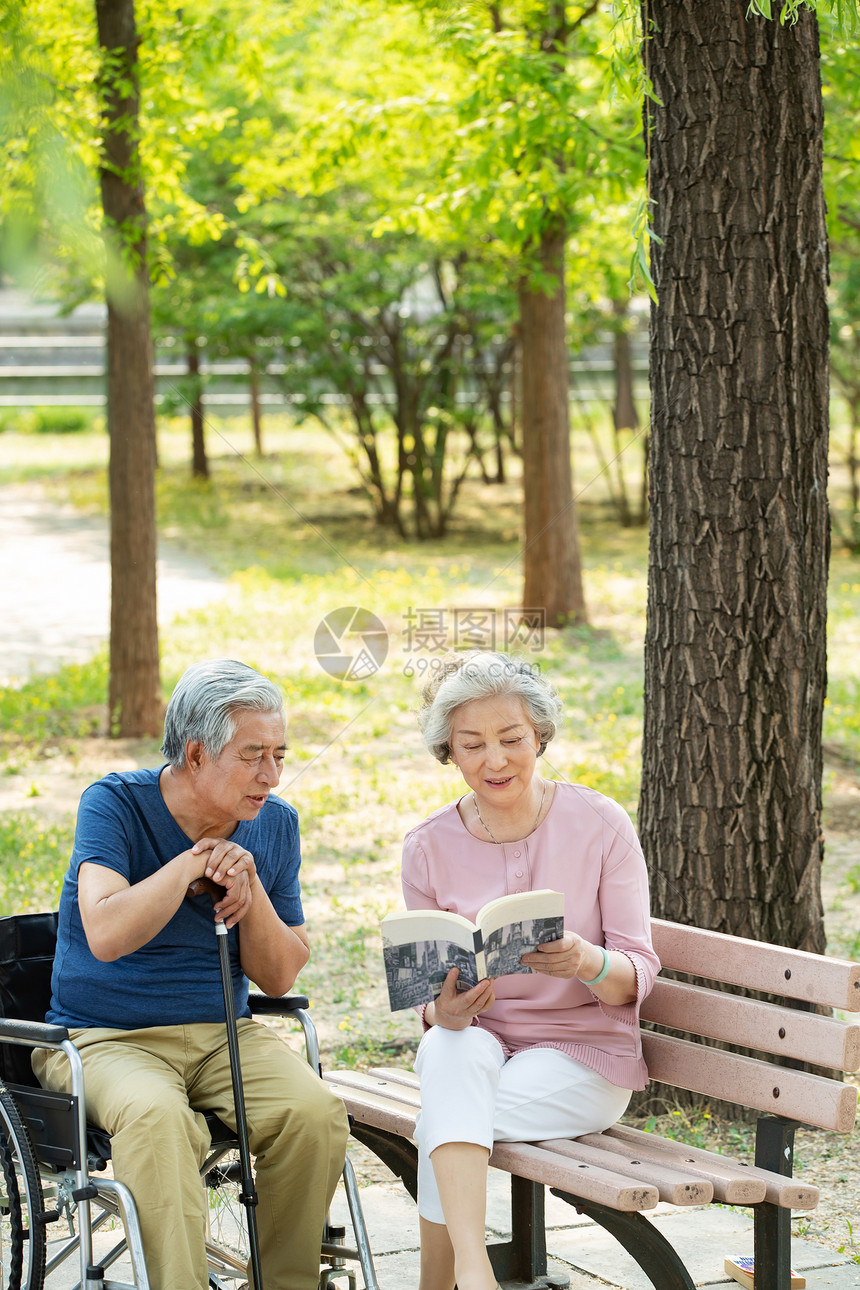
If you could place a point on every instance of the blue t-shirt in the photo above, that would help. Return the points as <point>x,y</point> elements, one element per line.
<point>175,979</point>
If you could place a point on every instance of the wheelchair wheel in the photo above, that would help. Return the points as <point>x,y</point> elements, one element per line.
<point>22,1230</point>
<point>227,1246</point>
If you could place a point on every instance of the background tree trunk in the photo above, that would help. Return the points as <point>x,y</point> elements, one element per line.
<point>553,573</point>
<point>735,662</point>
<point>134,699</point>
<point>256,413</point>
<point>199,460</point>
<point>624,413</point>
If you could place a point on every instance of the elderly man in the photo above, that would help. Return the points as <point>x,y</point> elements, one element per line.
<point>137,981</point>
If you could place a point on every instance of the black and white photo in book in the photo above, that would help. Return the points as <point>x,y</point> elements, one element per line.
<point>504,947</point>
<point>421,947</point>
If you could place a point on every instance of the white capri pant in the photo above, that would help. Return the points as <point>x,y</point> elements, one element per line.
<point>471,1093</point>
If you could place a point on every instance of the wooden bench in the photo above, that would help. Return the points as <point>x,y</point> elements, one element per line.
<point>614,1176</point>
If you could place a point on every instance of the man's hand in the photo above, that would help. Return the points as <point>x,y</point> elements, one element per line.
<point>229,876</point>
<point>118,917</point>
<point>453,1011</point>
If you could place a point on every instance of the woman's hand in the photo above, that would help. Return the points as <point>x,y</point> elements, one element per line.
<point>453,1011</point>
<point>571,956</point>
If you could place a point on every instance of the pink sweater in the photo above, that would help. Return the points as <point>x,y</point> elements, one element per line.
<point>587,848</point>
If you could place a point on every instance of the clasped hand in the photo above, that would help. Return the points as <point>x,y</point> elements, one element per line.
<point>228,875</point>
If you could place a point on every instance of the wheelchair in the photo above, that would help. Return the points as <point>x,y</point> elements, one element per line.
<point>54,1178</point>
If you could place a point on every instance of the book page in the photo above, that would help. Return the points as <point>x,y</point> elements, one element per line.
<point>513,925</point>
<point>419,949</point>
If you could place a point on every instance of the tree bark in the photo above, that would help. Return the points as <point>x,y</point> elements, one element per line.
<point>134,698</point>
<point>735,657</point>
<point>199,460</point>
<point>624,413</point>
<point>256,414</point>
<point>553,573</point>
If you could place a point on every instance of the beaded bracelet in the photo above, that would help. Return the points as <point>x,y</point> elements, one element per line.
<point>603,973</point>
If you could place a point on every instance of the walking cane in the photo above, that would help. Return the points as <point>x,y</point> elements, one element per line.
<point>248,1192</point>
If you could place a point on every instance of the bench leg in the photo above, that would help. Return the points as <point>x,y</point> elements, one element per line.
<point>774,1150</point>
<point>656,1257</point>
<point>523,1258</point>
<point>398,1154</point>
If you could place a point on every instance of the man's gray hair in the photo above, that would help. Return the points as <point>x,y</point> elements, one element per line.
<point>460,678</point>
<point>203,705</point>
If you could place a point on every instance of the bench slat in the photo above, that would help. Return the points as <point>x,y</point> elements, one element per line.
<point>758,965</point>
<point>787,1032</point>
<point>378,1082</point>
<point>734,1182</point>
<point>809,1099</point>
<point>588,1181</point>
<point>731,1182</point>
<point>674,1186</point>
<point>788,1193</point>
<point>397,1075</point>
<point>591,1167</point>
<point>375,1110</point>
<point>377,1103</point>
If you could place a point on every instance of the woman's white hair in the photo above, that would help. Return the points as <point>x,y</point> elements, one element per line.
<point>203,705</point>
<point>461,678</point>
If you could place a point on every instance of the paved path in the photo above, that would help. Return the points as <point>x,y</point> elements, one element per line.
<point>578,1249</point>
<point>582,1251</point>
<point>55,584</point>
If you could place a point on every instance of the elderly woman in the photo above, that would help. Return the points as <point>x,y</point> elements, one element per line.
<point>552,1053</point>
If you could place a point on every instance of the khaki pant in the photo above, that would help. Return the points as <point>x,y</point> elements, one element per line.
<point>139,1087</point>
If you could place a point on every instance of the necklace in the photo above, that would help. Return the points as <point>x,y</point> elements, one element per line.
<point>489,831</point>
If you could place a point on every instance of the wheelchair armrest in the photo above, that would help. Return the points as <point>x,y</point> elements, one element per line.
<point>280,1006</point>
<point>33,1032</point>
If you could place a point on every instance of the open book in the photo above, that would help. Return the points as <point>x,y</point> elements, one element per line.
<point>421,946</point>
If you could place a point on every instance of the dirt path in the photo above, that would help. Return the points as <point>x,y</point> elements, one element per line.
<point>55,583</point>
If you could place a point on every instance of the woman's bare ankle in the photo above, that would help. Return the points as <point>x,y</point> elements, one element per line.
<point>475,1274</point>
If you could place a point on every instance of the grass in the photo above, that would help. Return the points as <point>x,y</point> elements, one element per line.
<point>33,858</point>
<point>842,707</point>
<point>698,1127</point>
<point>295,543</point>
<point>66,704</point>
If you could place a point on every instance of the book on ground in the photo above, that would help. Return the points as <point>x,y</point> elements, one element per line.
<point>420,947</point>
<point>742,1269</point>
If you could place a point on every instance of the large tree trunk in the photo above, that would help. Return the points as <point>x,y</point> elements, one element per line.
<point>134,699</point>
<point>553,574</point>
<point>730,812</point>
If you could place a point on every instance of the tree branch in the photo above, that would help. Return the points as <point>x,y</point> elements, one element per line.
<point>586,13</point>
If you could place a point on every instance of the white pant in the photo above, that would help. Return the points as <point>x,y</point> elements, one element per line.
<point>471,1093</point>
